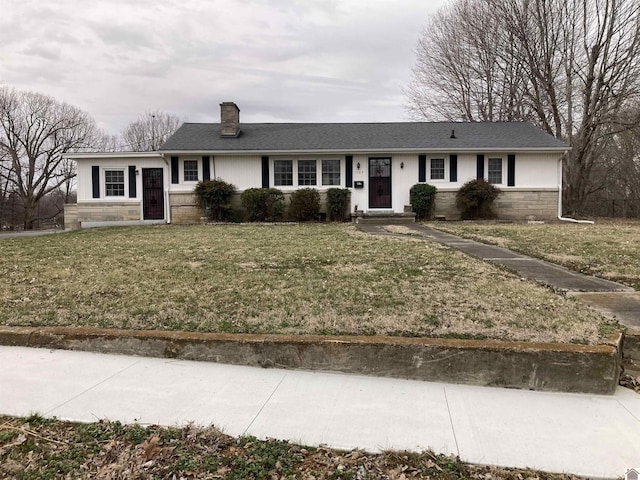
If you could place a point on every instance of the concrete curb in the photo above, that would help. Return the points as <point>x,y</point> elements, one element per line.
<point>523,365</point>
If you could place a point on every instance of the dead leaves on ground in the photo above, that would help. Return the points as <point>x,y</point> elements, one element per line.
<point>36,448</point>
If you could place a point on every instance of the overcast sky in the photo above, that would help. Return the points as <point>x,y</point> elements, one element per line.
<point>279,60</point>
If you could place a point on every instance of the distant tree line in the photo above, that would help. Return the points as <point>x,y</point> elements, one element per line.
<point>572,67</point>
<point>36,132</point>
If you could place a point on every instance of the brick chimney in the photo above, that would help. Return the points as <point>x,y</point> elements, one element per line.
<point>229,119</point>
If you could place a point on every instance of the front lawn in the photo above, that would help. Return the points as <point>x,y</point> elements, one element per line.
<point>609,249</point>
<point>290,279</point>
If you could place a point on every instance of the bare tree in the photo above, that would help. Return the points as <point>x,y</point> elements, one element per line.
<point>150,131</point>
<point>566,65</point>
<point>35,133</point>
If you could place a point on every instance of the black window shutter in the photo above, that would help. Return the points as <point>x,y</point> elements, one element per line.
<point>511,170</point>
<point>132,181</point>
<point>95,181</point>
<point>265,172</point>
<point>206,172</point>
<point>348,160</point>
<point>480,166</point>
<point>422,168</point>
<point>453,168</point>
<point>175,170</point>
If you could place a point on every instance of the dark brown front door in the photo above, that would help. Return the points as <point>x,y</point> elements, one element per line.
<point>152,195</point>
<point>379,183</point>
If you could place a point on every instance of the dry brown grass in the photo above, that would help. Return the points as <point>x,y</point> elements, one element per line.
<point>293,279</point>
<point>609,249</point>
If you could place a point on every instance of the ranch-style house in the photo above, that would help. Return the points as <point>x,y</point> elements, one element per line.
<point>377,162</point>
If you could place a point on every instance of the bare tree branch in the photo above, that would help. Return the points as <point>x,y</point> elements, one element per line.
<point>569,66</point>
<point>35,133</point>
<point>150,131</point>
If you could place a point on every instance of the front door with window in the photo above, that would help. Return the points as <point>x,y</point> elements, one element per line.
<point>379,183</point>
<point>152,194</point>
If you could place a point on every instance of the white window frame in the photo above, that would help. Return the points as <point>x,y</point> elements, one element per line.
<point>124,177</point>
<point>294,172</point>
<point>444,169</point>
<point>339,172</point>
<point>315,184</point>
<point>502,170</point>
<point>198,169</point>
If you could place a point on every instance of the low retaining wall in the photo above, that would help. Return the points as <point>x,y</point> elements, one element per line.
<point>531,366</point>
<point>631,345</point>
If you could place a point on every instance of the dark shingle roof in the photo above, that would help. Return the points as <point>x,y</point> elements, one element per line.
<point>284,137</point>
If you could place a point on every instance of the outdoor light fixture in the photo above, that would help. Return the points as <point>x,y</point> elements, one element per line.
<point>358,165</point>
<point>401,165</point>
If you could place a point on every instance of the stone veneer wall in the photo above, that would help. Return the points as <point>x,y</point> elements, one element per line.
<point>183,208</point>
<point>510,205</point>
<point>185,211</point>
<point>75,214</point>
<point>71,216</point>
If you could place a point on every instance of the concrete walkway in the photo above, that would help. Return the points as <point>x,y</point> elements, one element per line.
<point>611,299</point>
<point>590,435</point>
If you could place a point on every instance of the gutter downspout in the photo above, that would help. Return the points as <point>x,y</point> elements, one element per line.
<point>166,193</point>
<point>560,217</point>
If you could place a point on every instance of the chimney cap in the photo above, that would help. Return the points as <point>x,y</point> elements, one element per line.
<point>229,104</point>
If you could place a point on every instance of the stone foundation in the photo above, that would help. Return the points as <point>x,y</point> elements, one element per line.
<point>183,208</point>
<point>185,211</point>
<point>510,205</point>
<point>77,213</point>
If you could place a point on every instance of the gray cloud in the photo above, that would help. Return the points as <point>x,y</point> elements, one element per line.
<point>280,60</point>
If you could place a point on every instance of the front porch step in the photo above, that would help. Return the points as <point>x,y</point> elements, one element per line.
<point>383,218</point>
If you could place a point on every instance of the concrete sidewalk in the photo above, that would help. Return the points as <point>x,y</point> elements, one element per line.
<point>590,435</point>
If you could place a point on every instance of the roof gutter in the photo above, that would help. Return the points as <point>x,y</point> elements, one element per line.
<point>98,155</point>
<point>342,151</point>
<point>166,192</point>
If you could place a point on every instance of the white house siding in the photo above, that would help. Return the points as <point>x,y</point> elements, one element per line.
<point>243,171</point>
<point>85,190</point>
<point>106,210</point>
<point>535,192</point>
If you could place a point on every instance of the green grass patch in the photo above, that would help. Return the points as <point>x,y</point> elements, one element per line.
<point>288,279</point>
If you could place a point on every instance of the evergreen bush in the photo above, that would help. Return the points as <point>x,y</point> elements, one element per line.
<point>475,199</point>
<point>263,204</point>
<point>215,196</point>
<point>304,205</point>
<point>422,197</point>
<point>337,203</point>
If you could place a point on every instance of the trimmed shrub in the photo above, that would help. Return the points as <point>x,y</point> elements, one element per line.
<point>263,204</point>
<point>422,197</point>
<point>304,205</point>
<point>215,196</point>
<point>337,203</point>
<point>475,199</point>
